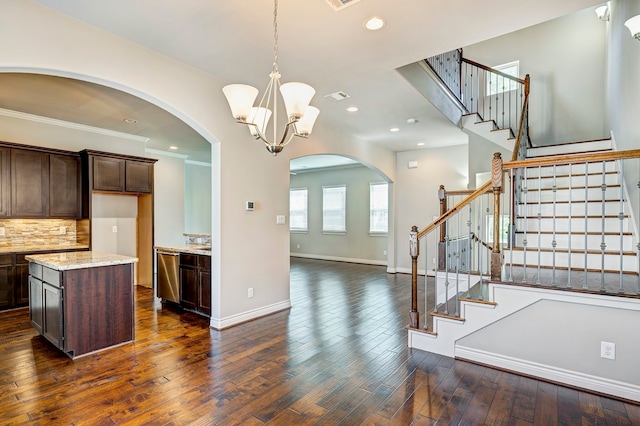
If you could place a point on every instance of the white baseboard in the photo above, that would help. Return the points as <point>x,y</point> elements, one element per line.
<point>340,259</point>
<point>222,323</point>
<point>585,381</point>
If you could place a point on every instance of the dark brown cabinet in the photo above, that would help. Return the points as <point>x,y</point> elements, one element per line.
<point>29,183</point>
<point>118,173</point>
<point>195,282</point>
<point>39,183</point>
<point>82,310</point>
<point>64,186</point>
<point>5,182</point>
<point>14,281</point>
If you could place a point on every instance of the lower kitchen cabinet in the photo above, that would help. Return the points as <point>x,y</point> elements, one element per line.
<point>14,281</point>
<point>82,310</point>
<point>195,283</point>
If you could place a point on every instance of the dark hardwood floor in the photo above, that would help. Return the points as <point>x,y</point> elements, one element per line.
<point>339,356</point>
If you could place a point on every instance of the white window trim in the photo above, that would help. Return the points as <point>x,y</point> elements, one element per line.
<point>299,230</point>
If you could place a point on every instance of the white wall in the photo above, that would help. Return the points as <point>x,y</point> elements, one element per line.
<point>565,59</point>
<point>34,38</point>
<point>623,91</point>
<point>197,196</point>
<point>168,199</point>
<point>356,245</point>
<point>417,193</point>
<point>119,213</point>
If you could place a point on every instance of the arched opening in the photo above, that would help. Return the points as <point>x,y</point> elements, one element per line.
<point>340,209</point>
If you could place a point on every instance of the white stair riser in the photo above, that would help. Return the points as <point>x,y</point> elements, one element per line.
<point>532,225</point>
<point>577,182</point>
<point>575,169</point>
<point>594,261</point>
<point>441,288</point>
<point>569,148</point>
<point>612,193</point>
<point>577,241</point>
<point>611,208</point>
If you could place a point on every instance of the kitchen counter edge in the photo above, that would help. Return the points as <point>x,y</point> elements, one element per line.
<point>185,248</point>
<point>79,260</point>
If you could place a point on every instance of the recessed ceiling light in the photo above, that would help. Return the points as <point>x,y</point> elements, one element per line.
<point>375,23</point>
<point>420,143</point>
<point>394,129</point>
<point>130,120</point>
<point>173,147</point>
<point>412,120</point>
<point>352,109</point>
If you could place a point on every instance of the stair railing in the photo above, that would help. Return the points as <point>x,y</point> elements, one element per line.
<point>601,175</point>
<point>564,238</point>
<point>461,253</point>
<point>491,94</point>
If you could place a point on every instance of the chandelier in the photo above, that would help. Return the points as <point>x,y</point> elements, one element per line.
<point>296,97</point>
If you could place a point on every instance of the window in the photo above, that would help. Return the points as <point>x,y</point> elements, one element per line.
<point>504,229</point>
<point>334,201</point>
<point>298,209</point>
<point>498,84</point>
<point>378,208</point>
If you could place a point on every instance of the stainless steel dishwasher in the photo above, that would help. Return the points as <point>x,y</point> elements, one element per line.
<point>168,279</point>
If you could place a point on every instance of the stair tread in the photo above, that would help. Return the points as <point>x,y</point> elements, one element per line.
<point>566,175</point>
<point>535,203</point>
<point>564,268</point>
<point>610,216</point>
<point>573,188</point>
<point>573,143</point>
<point>575,233</point>
<point>574,251</point>
<point>590,151</point>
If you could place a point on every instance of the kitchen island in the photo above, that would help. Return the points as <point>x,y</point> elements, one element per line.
<point>82,302</point>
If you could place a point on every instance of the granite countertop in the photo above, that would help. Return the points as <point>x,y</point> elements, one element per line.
<point>186,248</point>
<point>42,247</point>
<point>79,260</point>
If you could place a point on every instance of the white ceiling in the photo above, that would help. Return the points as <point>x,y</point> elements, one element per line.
<point>329,50</point>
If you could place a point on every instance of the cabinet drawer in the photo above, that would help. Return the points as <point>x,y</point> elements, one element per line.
<point>6,259</point>
<point>51,276</point>
<point>35,270</point>
<point>187,259</point>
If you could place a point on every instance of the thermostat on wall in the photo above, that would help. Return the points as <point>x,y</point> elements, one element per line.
<point>249,205</point>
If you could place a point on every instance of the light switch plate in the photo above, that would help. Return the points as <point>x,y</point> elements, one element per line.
<point>280,219</point>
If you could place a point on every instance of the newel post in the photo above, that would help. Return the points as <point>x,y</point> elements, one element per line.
<point>442,246</point>
<point>496,180</point>
<point>414,251</point>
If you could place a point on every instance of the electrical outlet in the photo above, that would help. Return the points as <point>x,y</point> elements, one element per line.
<point>384,252</point>
<point>2,232</point>
<point>608,350</point>
<point>114,229</point>
<point>63,230</point>
<point>298,246</point>
<point>250,292</point>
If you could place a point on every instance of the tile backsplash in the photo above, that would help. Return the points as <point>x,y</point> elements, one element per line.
<point>204,239</point>
<point>33,232</point>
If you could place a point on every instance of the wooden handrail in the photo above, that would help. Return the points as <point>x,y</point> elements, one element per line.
<point>475,238</point>
<point>478,192</point>
<point>521,129</point>
<point>486,68</point>
<point>573,158</point>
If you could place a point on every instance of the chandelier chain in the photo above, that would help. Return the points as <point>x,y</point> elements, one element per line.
<point>275,35</point>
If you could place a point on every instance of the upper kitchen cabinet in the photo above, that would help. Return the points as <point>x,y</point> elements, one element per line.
<point>29,183</point>
<point>119,173</point>
<point>5,186</point>
<point>64,186</point>
<point>39,182</point>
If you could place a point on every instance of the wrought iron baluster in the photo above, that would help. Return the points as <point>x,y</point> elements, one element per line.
<point>569,227</point>
<point>554,243</point>
<point>457,255</point>
<point>426,284</point>
<point>469,252</point>
<point>512,230</point>
<point>621,217</point>
<point>603,244</point>
<point>539,218</point>
<point>586,223</point>
<point>446,274</point>
<point>525,190</point>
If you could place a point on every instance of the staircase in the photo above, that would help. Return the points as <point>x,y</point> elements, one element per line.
<point>563,282</point>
